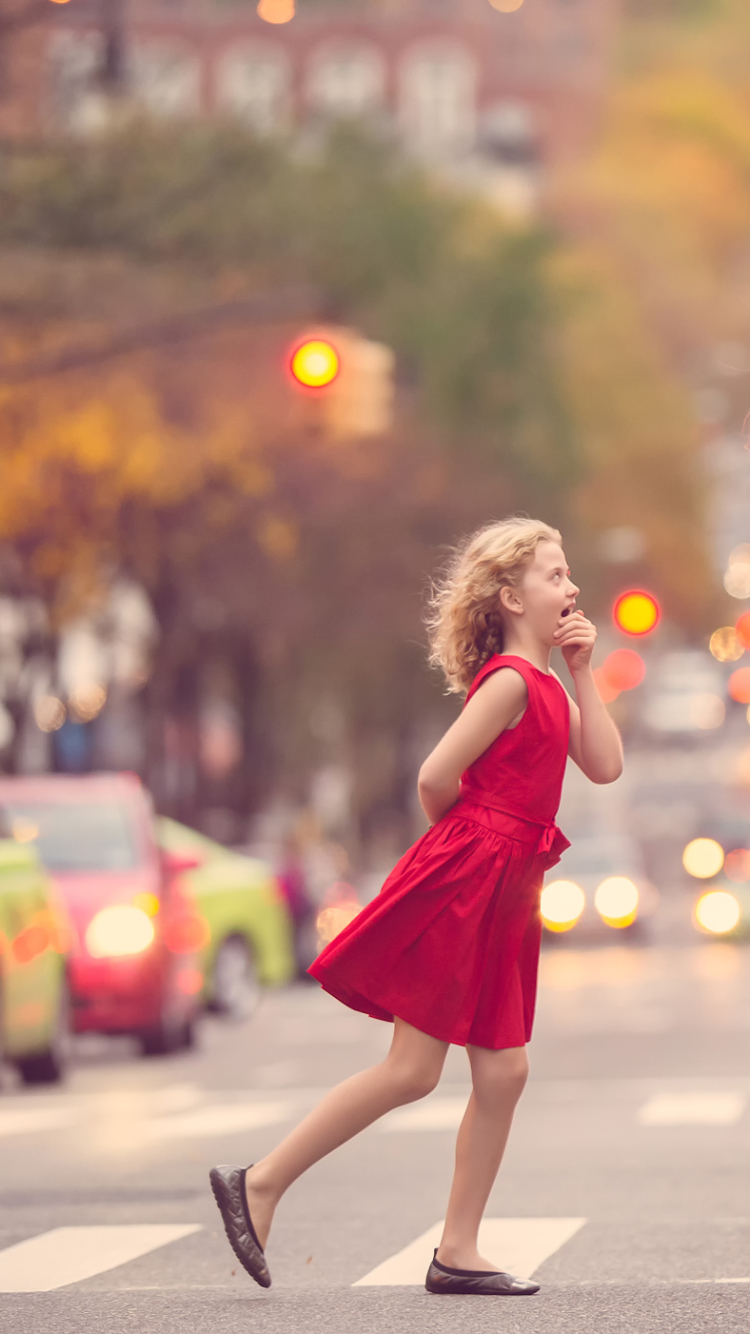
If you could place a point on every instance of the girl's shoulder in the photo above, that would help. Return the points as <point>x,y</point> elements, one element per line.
<point>494,664</point>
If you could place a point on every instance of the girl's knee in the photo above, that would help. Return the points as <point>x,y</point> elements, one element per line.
<point>501,1075</point>
<point>414,1080</point>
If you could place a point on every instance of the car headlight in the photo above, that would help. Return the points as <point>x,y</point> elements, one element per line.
<point>616,901</point>
<point>718,911</point>
<point>119,930</point>
<point>562,903</point>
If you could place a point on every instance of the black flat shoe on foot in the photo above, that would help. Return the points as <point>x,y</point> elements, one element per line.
<point>228,1186</point>
<point>480,1282</point>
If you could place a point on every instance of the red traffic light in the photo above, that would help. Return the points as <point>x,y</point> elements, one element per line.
<point>314,363</point>
<point>636,612</point>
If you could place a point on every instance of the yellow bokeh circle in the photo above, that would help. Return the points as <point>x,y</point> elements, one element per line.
<point>315,363</point>
<point>717,912</point>
<point>562,903</point>
<point>703,857</point>
<point>636,612</point>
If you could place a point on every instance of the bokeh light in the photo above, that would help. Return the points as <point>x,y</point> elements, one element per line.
<point>742,629</point>
<point>86,702</point>
<point>562,903</point>
<point>737,865</point>
<point>119,930</point>
<point>717,912</point>
<point>334,918</point>
<point>703,857</point>
<point>737,573</point>
<point>742,767</point>
<point>636,612</point>
<point>616,901</point>
<point>506,6</point>
<point>49,712</point>
<point>624,669</point>
<point>725,643</point>
<point>276,11</point>
<point>607,691</point>
<point>738,685</point>
<point>315,363</point>
<point>147,903</point>
<point>707,711</point>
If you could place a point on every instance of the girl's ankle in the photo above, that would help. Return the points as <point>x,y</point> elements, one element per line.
<point>257,1181</point>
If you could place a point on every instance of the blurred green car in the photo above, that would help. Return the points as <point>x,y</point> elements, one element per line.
<point>249,942</point>
<point>34,942</point>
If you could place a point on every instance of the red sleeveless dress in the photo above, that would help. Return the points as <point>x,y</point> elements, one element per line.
<point>451,942</point>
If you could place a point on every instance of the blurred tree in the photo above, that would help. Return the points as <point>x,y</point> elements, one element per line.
<point>306,562</point>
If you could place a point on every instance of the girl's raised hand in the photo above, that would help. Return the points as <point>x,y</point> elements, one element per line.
<point>576,636</point>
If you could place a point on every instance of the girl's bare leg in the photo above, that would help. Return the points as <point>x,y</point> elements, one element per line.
<point>498,1079</point>
<point>411,1069</point>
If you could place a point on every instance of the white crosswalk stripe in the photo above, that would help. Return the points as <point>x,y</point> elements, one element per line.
<point>692,1108</point>
<point>26,1120</point>
<point>219,1120</point>
<point>70,1254</point>
<point>520,1246</point>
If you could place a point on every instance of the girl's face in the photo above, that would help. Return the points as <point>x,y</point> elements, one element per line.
<point>547,591</point>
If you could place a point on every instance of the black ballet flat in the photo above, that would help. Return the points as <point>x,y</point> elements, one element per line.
<point>228,1186</point>
<point>479,1282</point>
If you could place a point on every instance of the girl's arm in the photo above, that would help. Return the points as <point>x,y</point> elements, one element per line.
<point>499,698</point>
<point>595,743</point>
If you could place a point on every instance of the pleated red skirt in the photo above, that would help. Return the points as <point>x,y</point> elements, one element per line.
<point>451,942</point>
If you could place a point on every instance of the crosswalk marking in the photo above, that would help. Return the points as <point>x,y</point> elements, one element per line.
<point>220,1119</point>
<point>432,1114</point>
<point>25,1120</point>
<point>518,1245</point>
<point>71,1254</point>
<point>696,1108</point>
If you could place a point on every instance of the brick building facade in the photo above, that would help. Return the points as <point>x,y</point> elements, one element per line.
<point>453,78</point>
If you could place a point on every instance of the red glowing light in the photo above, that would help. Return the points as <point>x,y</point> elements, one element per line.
<point>314,363</point>
<point>190,981</point>
<point>739,685</point>
<point>636,612</point>
<point>624,669</point>
<point>187,934</point>
<point>742,629</point>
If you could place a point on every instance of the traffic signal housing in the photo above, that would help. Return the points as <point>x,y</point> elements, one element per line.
<point>348,377</point>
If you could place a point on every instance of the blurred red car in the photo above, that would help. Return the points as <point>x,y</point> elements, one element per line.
<point>134,965</point>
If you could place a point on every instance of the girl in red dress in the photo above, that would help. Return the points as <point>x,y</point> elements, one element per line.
<point>448,950</point>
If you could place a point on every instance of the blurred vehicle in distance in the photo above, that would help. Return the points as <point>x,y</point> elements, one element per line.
<point>598,890</point>
<point>250,941</point>
<point>719,860</point>
<point>34,941</point>
<point>684,695</point>
<point>135,959</point>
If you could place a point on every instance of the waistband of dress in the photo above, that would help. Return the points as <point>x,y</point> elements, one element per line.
<point>527,828</point>
<point>543,836</point>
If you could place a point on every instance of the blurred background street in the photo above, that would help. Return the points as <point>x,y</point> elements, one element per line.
<point>294,294</point>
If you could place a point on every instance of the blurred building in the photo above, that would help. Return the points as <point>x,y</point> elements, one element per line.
<point>455,79</point>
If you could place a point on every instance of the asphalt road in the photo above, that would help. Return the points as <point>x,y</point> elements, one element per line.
<point>624,1190</point>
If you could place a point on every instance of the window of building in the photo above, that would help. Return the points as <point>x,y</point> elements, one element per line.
<point>438,100</point>
<point>75,60</point>
<point>346,80</point>
<point>254,84</point>
<point>165,79</point>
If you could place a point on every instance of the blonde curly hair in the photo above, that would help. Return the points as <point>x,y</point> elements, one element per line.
<point>463,620</point>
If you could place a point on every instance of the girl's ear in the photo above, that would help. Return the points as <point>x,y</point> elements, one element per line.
<point>508,599</point>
